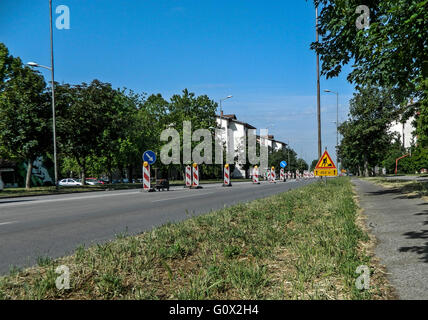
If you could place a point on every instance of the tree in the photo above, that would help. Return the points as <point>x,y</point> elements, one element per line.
<point>301,165</point>
<point>25,114</point>
<point>313,164</point>
<point>87,122</point>
<point>366,136</point>
<point>390,53</point>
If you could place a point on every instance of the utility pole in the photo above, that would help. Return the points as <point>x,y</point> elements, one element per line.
<point>318,88</point>
<point>53,97</point>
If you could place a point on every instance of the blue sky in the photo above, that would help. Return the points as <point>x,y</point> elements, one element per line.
<point>257,51</point>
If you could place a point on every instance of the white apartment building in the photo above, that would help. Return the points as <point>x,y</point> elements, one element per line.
<point>239,131</point>
<point>406,131</point>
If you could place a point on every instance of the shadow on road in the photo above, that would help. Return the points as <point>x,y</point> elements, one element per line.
<point>383,192</point>
<point>423,234</point>
<point>12,201</point>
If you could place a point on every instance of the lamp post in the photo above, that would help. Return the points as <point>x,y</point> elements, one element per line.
<point>318,86</point>
<point>221,100</point>
<point>337,121</point>
<point>51,68</point>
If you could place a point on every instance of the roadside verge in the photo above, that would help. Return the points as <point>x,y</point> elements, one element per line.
<point>302,244</point>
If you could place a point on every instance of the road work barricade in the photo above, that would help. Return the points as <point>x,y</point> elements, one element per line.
<point>188,177</point>
<point>146,178</point>
<point>195,184</point>
<point>226,180</point>
<point>272,175</point>
<point>282,175</point>
<point>256,175</point>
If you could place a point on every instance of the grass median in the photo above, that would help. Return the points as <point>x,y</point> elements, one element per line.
<point>302,244</point>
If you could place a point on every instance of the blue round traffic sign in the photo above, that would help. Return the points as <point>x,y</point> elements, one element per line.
<point>283,164</point>
<point>149,156</point>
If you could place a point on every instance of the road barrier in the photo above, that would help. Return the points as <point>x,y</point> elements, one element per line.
<point>195,183</point>
<point>146,177</point>
<point>282,175</point>
<point>188,175</point>
<point>256,175</point>
<point>226,181</point>
<point>272,175</point>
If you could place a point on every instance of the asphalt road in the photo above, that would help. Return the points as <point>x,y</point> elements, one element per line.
<point>54,226</point>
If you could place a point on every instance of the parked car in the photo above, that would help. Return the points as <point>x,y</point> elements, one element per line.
<point>69,182</point>
<point>93,181</point>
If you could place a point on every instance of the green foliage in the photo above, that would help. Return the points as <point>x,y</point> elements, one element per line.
<point>366,138</point>
<point>381,53</point>
<point>390,53</point>
<point>25,113</point>
<point>313,164</point>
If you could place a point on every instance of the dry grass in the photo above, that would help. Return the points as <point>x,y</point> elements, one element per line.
<point>303,244</point>
<point>410,189</point>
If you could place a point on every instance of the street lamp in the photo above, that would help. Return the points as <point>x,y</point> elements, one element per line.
<point>51,68</point>
<point>337,121</point>
<point>221,100</point>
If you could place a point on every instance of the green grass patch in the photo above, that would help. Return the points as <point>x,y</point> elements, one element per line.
<point>302,244</point>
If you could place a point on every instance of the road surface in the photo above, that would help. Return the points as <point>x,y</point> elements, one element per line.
<point>54,226</point>
<point>400,226</point>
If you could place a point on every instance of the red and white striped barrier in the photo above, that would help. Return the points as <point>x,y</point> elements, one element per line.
<point>281,174</point>
<point>188,176</point>
<point>146,177</point>
<point>256,175</point>
<point>195,183</point>
<point>272,175</point>
<point>226,181</point>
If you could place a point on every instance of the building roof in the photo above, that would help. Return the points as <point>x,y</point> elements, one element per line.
<point>232,117</point>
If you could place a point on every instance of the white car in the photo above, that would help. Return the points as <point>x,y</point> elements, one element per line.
<point>69,183</point>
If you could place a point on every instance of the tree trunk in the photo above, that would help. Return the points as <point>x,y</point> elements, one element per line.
<point>366,169</point>
<point>29,171</point>
<point>83,176</point>
<point>130,177</point>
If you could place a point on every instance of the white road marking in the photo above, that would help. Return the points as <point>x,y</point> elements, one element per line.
<point>9,222</point>
<point>34,202</point>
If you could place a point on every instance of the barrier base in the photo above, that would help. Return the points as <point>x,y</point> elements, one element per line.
<point>149,190</point>
<point>227,185</point>
<point>196,187</point>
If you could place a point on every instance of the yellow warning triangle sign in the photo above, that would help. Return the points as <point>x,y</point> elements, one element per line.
<point>325,162</point>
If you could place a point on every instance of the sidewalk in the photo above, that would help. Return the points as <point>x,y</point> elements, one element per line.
<point>401,228</point>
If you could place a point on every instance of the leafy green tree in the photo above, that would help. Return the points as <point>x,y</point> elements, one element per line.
<point>390,53</point>
<point>302,165</point>
<point>5,65</point>
<point>313,164</point>
<point>366,136</point>
<point>25,114</point>
<point>88,118</point>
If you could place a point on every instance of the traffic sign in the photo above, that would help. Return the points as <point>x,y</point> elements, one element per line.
<point>150,157</point>
<point>283,164</point>
<point>325,166</point>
